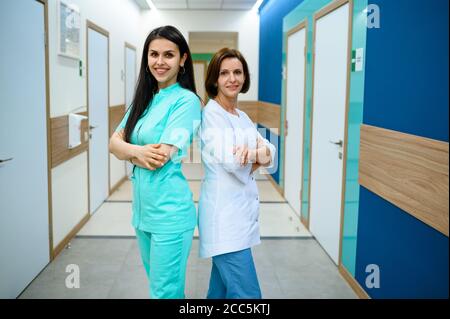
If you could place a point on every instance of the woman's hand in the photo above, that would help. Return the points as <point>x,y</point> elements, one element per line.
<point>244,155</point>
<point>260,155</point>
<point>149,156</point>
<point>263,156</point>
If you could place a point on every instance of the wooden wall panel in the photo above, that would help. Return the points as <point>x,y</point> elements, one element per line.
<point>60,134</point>
<point>60,140</point>
<point>250,108</point>
<point>266,114</point>
<point>409,171</point>
<point>116,114</point>
<point>269,116</point>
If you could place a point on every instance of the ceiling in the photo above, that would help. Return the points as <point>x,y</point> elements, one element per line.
<point>198,4</point>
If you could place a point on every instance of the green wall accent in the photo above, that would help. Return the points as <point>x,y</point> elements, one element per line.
<point>202,56</point>
<point>306,11</point>
<point>355,119</point>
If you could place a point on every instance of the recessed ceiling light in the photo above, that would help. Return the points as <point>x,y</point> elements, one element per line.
<point>257,5</point>
<point>151,4</point>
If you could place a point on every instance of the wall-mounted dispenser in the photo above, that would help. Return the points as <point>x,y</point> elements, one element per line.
<point>75,129</point>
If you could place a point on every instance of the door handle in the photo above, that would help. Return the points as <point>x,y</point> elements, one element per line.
<point>91,127</point>
<point>340,143</point>
<point>6,160</point>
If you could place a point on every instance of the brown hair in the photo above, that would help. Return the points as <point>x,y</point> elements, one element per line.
<point>212,75</point>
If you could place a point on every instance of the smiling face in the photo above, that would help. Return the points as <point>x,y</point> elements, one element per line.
<point>164,61</point>
<point>231,78</point>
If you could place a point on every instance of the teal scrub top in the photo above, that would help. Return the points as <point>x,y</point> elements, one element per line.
<point>162,199</point>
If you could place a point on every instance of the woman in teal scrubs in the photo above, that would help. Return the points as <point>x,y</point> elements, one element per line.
<point>154,136</point>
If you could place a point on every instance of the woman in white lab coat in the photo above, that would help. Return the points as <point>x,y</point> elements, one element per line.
<point>232,149</point>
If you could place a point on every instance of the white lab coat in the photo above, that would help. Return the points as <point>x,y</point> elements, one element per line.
<point>229,201</point>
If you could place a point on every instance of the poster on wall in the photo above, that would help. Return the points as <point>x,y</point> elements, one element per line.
<point>69,23</point>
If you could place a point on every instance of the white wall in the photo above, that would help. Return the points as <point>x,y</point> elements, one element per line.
<point>244,22</point>
<point>121,18</point>
<point>70,196</point>
<point>117,171</point>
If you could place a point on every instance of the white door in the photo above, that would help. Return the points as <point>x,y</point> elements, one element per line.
<point>199,74</point>
<point>24,215</point>
<point>329,115</point>
<point>295,92</point>
<point>98,118</point>
<point>130,83</point>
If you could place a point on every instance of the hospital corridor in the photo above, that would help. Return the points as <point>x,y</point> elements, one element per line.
<point>349,97</point>
<point>108,255</point>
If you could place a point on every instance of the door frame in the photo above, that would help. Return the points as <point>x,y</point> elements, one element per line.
<point>320,14</point>
<point>302,25</point>
<point>204,75</point>
<point>91,25</point>
<point>49,137</point>
<point>131,47</point>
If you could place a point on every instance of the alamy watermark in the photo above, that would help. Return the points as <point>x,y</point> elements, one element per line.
<point>73,279</point>
<point>373,16</point>
<point>216,145</point>
<point>373,277</point>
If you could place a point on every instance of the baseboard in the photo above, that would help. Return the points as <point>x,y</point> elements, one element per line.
<point>304,222</point>
<point>118,184</point>
<point>57,250</point>
<point>360,292</point>
<point>275,184</point>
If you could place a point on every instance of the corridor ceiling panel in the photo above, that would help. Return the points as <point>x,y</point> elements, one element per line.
<point>201,4</point>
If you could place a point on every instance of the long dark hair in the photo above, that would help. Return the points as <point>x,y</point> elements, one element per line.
<point>147,85</point>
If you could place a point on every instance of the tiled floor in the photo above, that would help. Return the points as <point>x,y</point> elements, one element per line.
<point>289,262</point>
<point>111,268</point>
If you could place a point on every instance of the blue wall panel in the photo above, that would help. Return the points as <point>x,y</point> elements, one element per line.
<point>275,140</point>
<point>275,171</point>
<point>406,89</point>
<point>412,257</point>
<point>270,54</point>
<point>407,68</point>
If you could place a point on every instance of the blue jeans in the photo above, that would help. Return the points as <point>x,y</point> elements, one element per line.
<point>233,276</point>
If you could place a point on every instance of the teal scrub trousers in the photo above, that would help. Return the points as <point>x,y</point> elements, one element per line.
<point>165,258</point>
